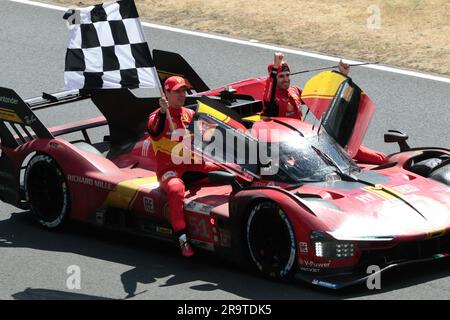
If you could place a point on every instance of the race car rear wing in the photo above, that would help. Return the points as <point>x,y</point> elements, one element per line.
<point>18,123</point>
<point>50,100</point>
<point>172,64</point>
<point>125,114</point>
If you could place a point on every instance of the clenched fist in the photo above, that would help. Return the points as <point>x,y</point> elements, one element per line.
<point>163,104</point>
<point>344,68</point>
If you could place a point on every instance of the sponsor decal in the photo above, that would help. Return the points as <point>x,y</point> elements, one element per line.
<point>90,182</point>
<point>406,188</point>
<point>198,207</point>
<point>303,247</point>
<point>148,205</point>
<point>103,185</point>
<point>314,270</point>
<point>100,217</point>
<point>29,120</point>
<point>324,284</point>
<point>366,198</point>
<point>163,230</point>
<point>264,184</point>
<point>312,264</point>
<point>9,100</point>
<point>82,180</point>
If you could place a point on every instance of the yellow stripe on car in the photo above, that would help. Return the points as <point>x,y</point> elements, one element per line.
<point>383,192</point>
<point>256,117</point>
<point>203,108</point>
<point>9,115</point>
<point>125,192</point>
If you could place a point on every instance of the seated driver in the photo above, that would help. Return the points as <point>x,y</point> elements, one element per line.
<point>169,174</point>
<point>283,100</point>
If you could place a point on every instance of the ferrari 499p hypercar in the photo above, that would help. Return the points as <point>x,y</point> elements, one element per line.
<point>319,216</point>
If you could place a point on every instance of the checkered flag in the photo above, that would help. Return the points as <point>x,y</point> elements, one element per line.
<point>107,49</point>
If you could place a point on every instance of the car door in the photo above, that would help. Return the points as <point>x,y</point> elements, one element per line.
<point>344,109</point>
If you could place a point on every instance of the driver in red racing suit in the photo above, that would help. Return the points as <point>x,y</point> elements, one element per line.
<point>283,100</point>
<point>170,174</point>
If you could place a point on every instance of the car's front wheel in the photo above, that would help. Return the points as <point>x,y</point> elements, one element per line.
<point>271,240</point>
<point>47,192</point>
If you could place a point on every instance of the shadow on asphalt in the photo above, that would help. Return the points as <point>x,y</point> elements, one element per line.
<point>151,260</point>
<point>45,294</point>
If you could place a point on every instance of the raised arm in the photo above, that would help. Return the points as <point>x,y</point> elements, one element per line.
<point>270,106</point>
<point>157,119</point>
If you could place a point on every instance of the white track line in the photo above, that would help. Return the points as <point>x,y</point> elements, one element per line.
<point>260,45</point>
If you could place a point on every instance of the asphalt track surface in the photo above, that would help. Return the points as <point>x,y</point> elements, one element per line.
<point>34,262</point>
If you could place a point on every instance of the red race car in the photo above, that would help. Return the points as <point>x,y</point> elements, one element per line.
<point>302,208</point>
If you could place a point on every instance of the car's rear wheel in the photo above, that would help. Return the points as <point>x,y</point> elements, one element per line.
<point>46,191</point>
<point>271,241</point>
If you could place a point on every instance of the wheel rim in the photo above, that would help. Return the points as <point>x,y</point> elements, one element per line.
<point>45,191</point>
<point>270,241</point>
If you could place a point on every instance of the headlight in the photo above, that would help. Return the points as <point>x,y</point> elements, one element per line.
<point>319,249</point>
<point>327,247</point>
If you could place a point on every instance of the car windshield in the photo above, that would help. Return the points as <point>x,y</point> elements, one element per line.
<point>222,143</point>
<point>299,161</point>
<point>294,160</point>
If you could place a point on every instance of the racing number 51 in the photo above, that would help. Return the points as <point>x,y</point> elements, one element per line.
<point>197,227</point>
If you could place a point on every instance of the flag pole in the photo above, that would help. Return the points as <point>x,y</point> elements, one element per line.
<point>169,117</point>
<point>161,91</point>
<point>331,67</point>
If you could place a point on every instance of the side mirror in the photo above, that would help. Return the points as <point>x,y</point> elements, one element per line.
<point>397,137</point>
<point>224,177</point>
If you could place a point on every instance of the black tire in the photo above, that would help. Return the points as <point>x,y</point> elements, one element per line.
<point>46,191</point>
<point>271,241</point>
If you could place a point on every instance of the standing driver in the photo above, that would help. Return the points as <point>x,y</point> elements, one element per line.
<point>283,100</point>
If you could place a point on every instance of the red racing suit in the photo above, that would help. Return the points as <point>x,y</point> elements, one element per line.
<point>287,103</point>
<point>281,103</point>
<point>170,174</point>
